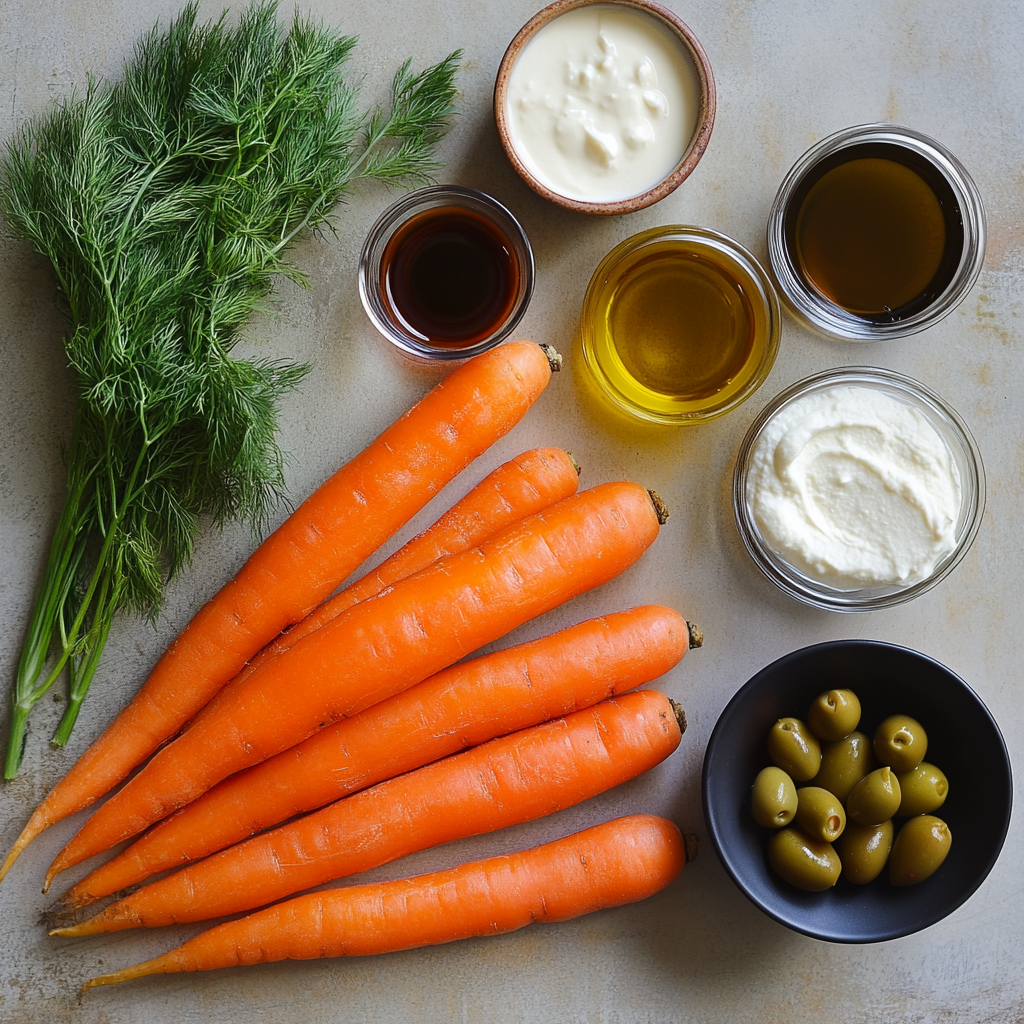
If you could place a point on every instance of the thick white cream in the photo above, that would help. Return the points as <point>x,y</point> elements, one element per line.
<point>855,488</point>
<point>602,103</point>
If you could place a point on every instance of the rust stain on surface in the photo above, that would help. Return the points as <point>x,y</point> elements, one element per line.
<point>987,320</point>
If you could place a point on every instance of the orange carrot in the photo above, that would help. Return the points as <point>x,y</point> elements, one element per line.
<point>381,646</point>
<point>520,487</point>
<point>609,865</point>
<point>306,559</point>
<point>460,707</point>
<point>509,780</point>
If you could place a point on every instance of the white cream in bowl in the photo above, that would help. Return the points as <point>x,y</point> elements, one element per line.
<point>602,103</point>
<point>855,488</point>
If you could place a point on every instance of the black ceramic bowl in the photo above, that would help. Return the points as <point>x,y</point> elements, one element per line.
<point>963,740</point>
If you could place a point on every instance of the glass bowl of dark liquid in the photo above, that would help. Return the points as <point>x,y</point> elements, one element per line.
<point>446,273</point>
<point>877,232</point>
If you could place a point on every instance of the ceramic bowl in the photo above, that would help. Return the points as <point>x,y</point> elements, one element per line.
<point>963,740</point>
<point>688,159</point>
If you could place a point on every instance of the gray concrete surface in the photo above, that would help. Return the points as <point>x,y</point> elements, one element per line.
<point>788,74</point>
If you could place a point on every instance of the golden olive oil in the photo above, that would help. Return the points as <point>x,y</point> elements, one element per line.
<point>876,230</point>
<point>676,328</point>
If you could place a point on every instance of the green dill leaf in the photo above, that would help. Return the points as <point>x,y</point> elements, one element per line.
<point>167,203</point>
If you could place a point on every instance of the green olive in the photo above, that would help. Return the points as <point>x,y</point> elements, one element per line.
<point>864,849</point>
<point>844,763</point>
<point>876,798</point>
<point>919,849</point>
<point>773,798</point>
<point>819,814</point>
<point>924,790</point>
<point>794,749</point>
<point>834,715</point>
<point>900,742</point>
<point>807,863</point>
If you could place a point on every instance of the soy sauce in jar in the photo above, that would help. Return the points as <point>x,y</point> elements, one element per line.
<point>450,277</point>
<point>876,229</point>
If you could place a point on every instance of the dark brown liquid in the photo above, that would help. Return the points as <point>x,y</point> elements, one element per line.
<point>450,276</point>
<point>876,229</point>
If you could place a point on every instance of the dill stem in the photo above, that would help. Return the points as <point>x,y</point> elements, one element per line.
<point>62,564</point>
<point>81,671</point>
<point>66,554</point>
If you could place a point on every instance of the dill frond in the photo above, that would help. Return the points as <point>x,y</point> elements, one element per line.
<point>167,203</point>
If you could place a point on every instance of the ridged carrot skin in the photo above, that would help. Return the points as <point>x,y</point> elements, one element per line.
<point>305,560</point>
<point>460,707</point>
<point>518,488</point>
<point>509,780</point>
<point>609,865</point>
<point>383,645</point>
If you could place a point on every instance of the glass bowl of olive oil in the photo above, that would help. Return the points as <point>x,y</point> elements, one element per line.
<point>877,232</point>
<point>680,324</point>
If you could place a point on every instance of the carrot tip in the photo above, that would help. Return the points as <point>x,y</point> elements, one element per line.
<point>103,979</point>
<point>575,464</point>
<point>696,635</point>
<point>60,863</point>
<point>680,714</point>
<point>690,845</point>
<point>76,929</point>
<point>9,862</point>
<point>554,358</point>
<point>659,506</point>
<point>159,965</point>
<point>28,833</point>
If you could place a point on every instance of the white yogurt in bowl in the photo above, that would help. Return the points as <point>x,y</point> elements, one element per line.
<point>855,488</point>
<point>602,103</point>
<point>604,107</point>
<point>858,488</point>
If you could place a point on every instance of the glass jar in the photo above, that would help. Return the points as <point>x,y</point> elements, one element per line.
<point>446,273</point>
<point>950,428</point>
<point>679,325</point>
<point>935,185</point>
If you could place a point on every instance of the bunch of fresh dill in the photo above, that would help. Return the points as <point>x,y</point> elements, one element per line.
<point>166,203</point>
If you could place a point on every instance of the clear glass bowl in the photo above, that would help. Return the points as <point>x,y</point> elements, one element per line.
<point>950,428</point>
<point>373,293</point>
<point>818,312</point>
<point>726,269</point>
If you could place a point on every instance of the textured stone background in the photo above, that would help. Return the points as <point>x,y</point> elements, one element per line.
<point>788,74</point>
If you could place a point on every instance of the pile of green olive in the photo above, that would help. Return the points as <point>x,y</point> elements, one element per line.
<point>841,820</point>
